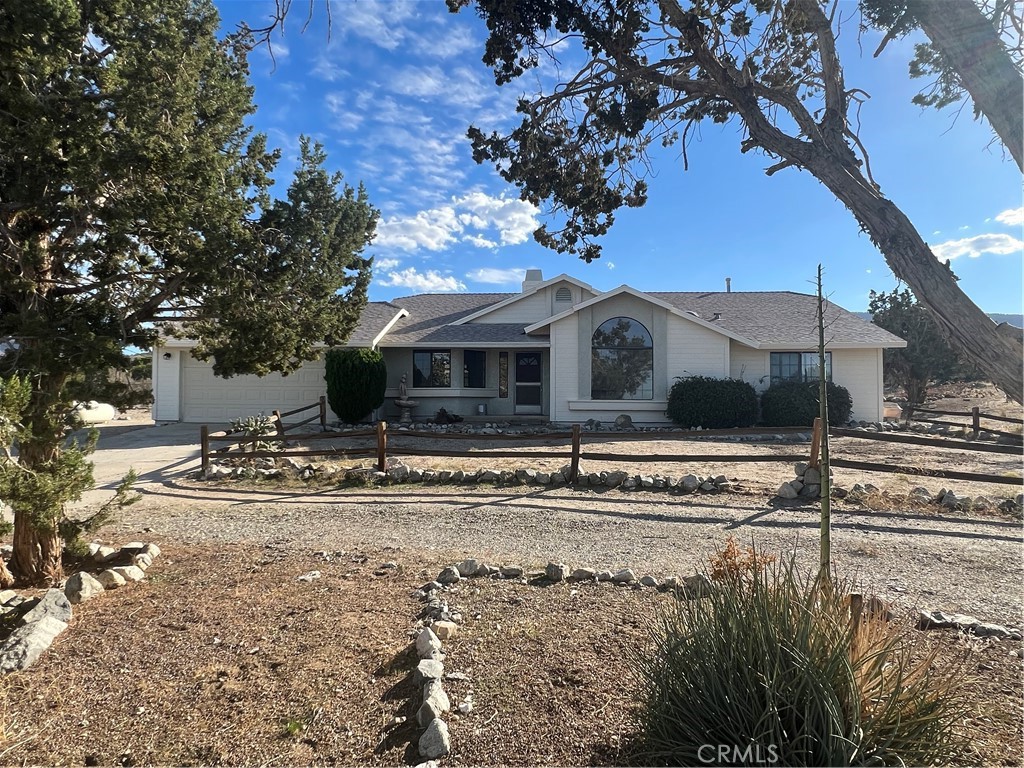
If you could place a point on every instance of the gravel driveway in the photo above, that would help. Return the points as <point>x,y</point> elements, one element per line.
<point>956,562</point>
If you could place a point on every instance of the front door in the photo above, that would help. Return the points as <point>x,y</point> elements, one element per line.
<point>528,382</point>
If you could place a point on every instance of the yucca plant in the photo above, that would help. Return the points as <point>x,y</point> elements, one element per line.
<point>770,669</point>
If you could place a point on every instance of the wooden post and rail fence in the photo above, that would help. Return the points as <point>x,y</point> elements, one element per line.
<point>577,451</point>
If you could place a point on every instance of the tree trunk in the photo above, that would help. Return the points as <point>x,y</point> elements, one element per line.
<point>997,350</point>
<point>970,45</point>
<point>37,552</point>
<point>6,577</point>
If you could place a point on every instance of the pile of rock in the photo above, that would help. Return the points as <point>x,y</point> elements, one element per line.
<point>39,620</point>
<point>807,482</point>
<point>435,741</point>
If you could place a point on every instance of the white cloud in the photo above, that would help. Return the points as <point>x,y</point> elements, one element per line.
<point>379,21</point>
<point>385,264</point>
<point>455,39</point>
<point>345,119</point>
<point>964,228</point>
<point>973,247</point>
<point>476,218</point>
<point>431,281</point>
<point>610,264</point>
<point>460,86</point>
<point>1014,217</point>
<point>493,276</point>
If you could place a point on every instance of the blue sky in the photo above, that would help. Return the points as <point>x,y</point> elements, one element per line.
<point>392,90</point>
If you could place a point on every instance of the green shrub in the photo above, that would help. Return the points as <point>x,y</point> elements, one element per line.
<point>700,401</point>
<point>356,380</point>
<point>795,404</point>
<point>770,667</point>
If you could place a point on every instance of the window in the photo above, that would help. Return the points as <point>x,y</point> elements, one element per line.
<point>798,366</point>
<point>563,294</point>
<point>622,361</point>
<point>474,368</point>
<point>432,368</point>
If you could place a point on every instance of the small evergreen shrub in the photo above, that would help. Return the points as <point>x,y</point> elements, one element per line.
<point>771,668</point>
<point>795,404</point>
<point>700,401</point>
<point>356,380</point>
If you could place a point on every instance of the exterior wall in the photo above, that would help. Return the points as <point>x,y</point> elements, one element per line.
<point>693,350</point>
<point>750,365</point>
<point>859,370</point>
<point>457,399</point>
<point>167,384</point>
<point>533,309</point>
<point>681,348</point>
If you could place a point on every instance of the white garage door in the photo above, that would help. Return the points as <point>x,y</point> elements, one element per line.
<point>211,399</point>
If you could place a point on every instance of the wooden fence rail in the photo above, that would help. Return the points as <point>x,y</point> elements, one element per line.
<point>576,452</point>
<point>321,416</point>
<point>975,415</point>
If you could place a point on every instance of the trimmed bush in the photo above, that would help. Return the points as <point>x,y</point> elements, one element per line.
<point>770,668</point>
<point>356,380</point>
<point>795,404</point>
<point>700,401</point>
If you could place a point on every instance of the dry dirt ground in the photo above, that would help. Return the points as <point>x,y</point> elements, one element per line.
<point>222,657</point>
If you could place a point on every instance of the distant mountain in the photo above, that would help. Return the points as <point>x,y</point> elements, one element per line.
<point>999,317</point>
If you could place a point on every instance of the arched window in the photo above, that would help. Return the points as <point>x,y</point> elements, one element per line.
<point>622,361</point>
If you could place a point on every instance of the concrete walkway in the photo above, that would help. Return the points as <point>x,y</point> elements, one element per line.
<point>156,453</point>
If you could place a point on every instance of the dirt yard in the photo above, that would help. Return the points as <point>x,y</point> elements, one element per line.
<point>222,657</point>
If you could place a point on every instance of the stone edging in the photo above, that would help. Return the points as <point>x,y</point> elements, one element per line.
<point>42,619</point>
<point>438,622</point>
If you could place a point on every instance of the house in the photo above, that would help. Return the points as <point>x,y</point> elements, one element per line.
<point>558,349</point>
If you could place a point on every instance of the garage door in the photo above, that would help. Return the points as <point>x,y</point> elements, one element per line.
<point>211,399</point>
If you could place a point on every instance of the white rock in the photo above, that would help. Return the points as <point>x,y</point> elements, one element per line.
<point>468,567</point>
<point>426,643</point>
<point>143,561</point>
<point>82,586</point>
<point>110,579</point>
<point>445,630</point>
<point>26,644</point>
<point>649,581</point>
<point>604,575</point>
<point>583,574</point>
<point>152,550</point>
<point>309,576</point>
<point>429,669</point>
<point>105,554</point>
<point>130,573</point>
<point>435,741</point>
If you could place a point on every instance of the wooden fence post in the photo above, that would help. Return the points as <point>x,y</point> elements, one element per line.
<point>382,445</point>
<point>278,424</point>
<point>574,466</point>
<point>815,442</point>
<point>323,412</point>
<point>976,421</point>
<point>204,447</point>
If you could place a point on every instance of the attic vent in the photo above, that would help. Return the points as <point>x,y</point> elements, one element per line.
<point>691,312</point>
<point>563,294</point>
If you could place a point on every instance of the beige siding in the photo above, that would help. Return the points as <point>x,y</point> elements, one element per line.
<point>528,310</point>
<point>565,369</point>
<point>695,351</point>
<point>859,370</point>
<point>750,365</point>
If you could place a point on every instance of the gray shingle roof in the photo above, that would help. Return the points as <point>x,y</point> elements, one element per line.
<point>768,318</point>
<point>779,317</point>
<point>374,318</point>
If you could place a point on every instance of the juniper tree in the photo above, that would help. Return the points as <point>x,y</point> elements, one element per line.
<point>131,187</point>
<point>653,70</point>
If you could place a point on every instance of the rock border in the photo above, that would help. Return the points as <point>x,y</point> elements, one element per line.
<point>41,620</point>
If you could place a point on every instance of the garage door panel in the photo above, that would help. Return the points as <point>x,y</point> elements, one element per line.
<point>212,399</point>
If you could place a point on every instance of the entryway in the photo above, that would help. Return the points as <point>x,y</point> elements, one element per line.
<point>529,398</point>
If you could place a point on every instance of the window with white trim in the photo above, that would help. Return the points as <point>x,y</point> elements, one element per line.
<point>622,361</point>
<point>798,366</point>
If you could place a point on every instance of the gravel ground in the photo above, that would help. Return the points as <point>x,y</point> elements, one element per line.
<point>956,562</point>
